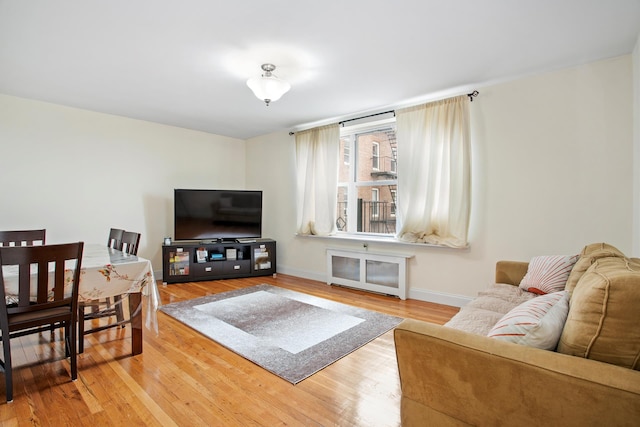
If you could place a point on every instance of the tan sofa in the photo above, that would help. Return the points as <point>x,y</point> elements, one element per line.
<point>451,377</point>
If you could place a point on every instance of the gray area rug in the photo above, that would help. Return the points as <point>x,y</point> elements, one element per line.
<point>288,333</point>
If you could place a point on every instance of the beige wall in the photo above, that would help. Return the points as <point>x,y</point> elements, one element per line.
<point>552,171</point>
<point>77,173</point>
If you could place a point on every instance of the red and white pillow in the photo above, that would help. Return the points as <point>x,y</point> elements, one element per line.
<point>547,274</point>
<point>535,323</point>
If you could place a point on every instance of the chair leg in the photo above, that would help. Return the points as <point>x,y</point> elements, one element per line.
<point>81,329</point>
<point>67,337</point>
<point>8,369</point>
<point>118,307</point>
<point>72,349</point>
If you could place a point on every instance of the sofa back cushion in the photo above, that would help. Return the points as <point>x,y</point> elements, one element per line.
<point>588,256</point>
<point>602,323</point>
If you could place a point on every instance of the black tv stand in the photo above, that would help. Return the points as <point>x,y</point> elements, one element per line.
<point>190,261</point>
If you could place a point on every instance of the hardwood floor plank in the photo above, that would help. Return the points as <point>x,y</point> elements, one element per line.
<point>183,378</point>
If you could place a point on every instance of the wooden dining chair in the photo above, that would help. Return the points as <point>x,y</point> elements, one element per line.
<point>115,238</point>
<point>22,237</point>
<point>129,242</point>
<point>113,241</point>
<point>45,306</point>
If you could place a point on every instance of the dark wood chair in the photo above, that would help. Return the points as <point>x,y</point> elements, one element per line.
<point>22,237</point>
<point>128,242</point>
<point>51,306</point>
<point>115,238</point>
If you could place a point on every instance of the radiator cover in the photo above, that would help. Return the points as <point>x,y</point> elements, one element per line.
<point>375,272</point>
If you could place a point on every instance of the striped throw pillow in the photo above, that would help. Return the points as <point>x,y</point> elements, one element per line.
<point>535,323</point>
<point>547,274</point>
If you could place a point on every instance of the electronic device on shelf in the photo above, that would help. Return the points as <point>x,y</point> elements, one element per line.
<point>218,215</point>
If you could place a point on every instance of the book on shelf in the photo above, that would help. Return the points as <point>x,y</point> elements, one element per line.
<point>180,257</point>
<point>201,255</point>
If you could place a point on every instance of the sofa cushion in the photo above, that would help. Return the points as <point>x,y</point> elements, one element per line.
<point>480,314</point>
<point>535,323</point>
<point>588,256</point>
<point>603,314</point>
<point>547,274</point>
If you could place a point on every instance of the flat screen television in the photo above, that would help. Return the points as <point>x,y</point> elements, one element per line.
<point>217,214</point>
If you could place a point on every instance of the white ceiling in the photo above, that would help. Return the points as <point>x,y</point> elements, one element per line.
<point>185,62</point>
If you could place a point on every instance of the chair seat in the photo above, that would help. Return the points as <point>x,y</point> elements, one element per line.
<point>54,313</point>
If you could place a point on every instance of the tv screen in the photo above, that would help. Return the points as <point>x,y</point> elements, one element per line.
<point>217,214</point>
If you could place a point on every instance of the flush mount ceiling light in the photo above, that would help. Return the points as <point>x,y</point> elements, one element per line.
<point>268,87</point>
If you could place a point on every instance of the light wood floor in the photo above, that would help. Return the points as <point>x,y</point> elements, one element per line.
<point>185,379</point>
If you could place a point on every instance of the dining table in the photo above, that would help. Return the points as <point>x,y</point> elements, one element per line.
<point>107,272</point>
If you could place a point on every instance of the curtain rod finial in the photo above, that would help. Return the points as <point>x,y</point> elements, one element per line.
<point>473,95</point>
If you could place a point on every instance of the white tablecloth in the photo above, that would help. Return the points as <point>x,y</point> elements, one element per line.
<point>106,272</point>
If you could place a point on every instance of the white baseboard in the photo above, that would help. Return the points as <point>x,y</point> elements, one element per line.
<point>303,274</point>
<point>439,297</point>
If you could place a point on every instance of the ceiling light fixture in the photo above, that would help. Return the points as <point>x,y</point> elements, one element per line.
<point>268,87</point>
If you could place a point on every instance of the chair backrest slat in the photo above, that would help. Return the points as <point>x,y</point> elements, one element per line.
<point>35,264</point>
<point>22,237</point>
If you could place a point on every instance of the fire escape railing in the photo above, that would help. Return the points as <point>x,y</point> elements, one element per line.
<point>372,217</point>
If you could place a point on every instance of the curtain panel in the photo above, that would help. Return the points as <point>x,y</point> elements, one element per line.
<point>317,153</point>
<point>434,173</point>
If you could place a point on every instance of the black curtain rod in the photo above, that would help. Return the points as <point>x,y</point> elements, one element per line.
<point>366,117</point>
<point>470,95</point>
<point>359,118</point>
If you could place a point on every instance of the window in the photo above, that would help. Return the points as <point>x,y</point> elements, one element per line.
<point>432,199</point>
<point>367,185</point>
<point>375,155</point>
<point>393,201</point>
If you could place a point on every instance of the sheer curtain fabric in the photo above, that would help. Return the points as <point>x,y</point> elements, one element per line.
<point>317,152</point>
<point>434,179</point>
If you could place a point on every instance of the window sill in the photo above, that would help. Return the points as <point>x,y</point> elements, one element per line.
<point>373,238</point>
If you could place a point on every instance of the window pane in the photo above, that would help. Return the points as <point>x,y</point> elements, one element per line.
<point>345,165</point>
<point>375,155</point>
<point>342,214</point>
<point>371,174</point>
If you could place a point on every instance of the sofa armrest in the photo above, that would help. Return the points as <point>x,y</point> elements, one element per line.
<point>482,381</point>
<point>511,272</point>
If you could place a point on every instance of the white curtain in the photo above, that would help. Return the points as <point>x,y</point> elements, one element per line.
<point>317,152</point>
<point>434,172</point>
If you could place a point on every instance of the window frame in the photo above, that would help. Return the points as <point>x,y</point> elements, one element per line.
<point>353,185</point>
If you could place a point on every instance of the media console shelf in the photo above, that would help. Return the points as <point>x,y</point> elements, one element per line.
<point>192,261</point>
